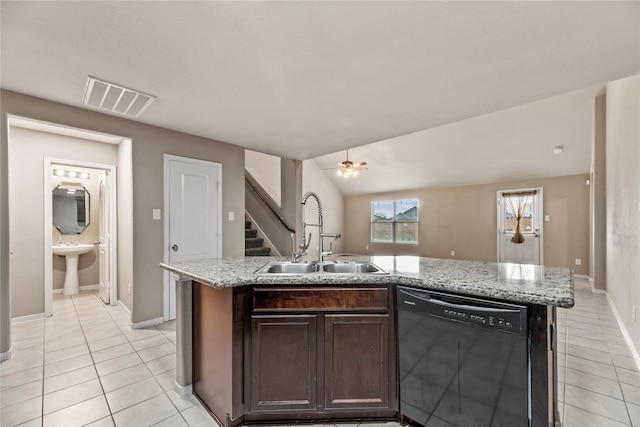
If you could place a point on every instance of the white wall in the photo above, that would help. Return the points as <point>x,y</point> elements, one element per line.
<point>266,169</point>
<point>623,200</point>
<point>314,179</point>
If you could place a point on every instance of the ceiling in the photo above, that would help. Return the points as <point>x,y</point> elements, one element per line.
<point>428,88</point>
<point>508,145</point>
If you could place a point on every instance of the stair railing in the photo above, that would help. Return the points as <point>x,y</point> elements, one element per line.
<point>257,189</point>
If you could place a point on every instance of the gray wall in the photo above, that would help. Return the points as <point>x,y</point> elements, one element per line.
<point>598,261</point>
<point>5,289</point>
<point>149,143</point>
<point>27,150</point>
<point>463,219</point>
<point>314,179</point>
<point>623,200</point>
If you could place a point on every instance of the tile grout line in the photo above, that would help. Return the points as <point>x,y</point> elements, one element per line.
<point>566,368</point>
<point>163,392</point>
<point>626,403</point>
<point>600,326</point>
<point>44,333</point>
<point>94,367</point>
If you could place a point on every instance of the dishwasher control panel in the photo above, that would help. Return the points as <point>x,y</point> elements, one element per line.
<point>504,317</point>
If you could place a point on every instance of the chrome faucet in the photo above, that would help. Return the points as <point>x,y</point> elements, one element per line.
<point>305,242</point>
<point>295,256</point>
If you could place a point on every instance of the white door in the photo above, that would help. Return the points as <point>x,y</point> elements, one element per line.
<point>525,205</point>
<point>105,240</point>
<point>193,215</point>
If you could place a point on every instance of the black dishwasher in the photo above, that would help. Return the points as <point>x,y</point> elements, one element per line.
<point>463,361</point>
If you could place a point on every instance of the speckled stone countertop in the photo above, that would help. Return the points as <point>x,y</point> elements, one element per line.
<point>510,282</point>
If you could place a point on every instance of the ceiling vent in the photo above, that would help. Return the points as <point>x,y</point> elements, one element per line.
<point>115,98</point>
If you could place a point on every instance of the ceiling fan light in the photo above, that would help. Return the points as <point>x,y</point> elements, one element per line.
<point>339,172</point>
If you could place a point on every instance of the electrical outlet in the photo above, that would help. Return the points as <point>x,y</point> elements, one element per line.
<point>578,261</point>
<point>634,315</point>
<point>156,214</point>
<point>129,288</point>
<point>367,247</point>
<point>453,253</point>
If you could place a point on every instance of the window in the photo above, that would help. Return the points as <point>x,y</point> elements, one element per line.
<point>519,209</point>
<point>394,222</point>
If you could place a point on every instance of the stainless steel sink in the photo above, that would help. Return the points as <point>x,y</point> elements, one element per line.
<point>352,268</point>
<point>284,267</point>
<point>289,268</point>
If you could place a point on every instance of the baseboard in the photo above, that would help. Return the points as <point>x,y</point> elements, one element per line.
<point>140,325</point>
<point>81,288</point>
<point>28,318</point>
<point>5,356</point>
<point>592,286</point>
<point>147,323</point>
<point>183,391</point>
<point>626,335</point>
<point>125,309</point>
<point>581,276</point>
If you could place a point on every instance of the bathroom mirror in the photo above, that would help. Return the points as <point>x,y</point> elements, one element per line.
<point>70,209</point>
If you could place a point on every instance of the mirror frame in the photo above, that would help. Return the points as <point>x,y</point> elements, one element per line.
<point>71,199</point>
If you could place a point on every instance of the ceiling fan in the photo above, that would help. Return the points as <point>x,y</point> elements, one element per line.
<point>348,168</point>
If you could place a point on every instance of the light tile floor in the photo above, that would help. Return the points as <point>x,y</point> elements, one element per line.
<point>599,380</point>
<point>86,366</point>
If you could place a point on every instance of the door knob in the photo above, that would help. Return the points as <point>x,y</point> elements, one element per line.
<point>175,248</point>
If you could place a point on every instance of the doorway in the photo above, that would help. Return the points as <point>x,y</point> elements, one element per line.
<point>107,244</point>
<point>193,216</point>
<point>520,226</point>
<point>32,147</point>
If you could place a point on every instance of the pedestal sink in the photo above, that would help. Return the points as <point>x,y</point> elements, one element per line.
<point>72,254</point>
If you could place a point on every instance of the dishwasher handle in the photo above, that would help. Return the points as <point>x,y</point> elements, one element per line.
<point>469,303</point>
<point>433,300</point>
<point>498,316</point>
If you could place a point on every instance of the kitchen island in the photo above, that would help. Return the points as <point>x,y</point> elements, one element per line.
<point>313,347</point>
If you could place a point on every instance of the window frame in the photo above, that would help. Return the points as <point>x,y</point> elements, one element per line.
<point>394,221</point>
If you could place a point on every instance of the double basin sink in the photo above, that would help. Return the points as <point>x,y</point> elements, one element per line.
<point>330,267</point>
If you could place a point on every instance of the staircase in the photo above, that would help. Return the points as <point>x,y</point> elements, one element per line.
<point>253,245</point>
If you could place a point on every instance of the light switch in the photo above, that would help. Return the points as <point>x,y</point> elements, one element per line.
<point>547,218</point>
<point>232,216</point>
<point>156,214</point>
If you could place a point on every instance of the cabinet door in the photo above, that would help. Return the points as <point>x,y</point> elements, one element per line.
<point>357,361</point>
<point>283,362</point>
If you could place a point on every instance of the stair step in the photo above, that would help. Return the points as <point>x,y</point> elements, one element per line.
<point>250,233</point>
<point>247,225</point>
<point>254,242</point>
<point>257,252</point>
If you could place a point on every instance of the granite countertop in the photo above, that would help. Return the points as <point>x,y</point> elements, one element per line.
<point>510,282</point>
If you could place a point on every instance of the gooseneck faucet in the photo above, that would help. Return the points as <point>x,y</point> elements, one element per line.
<point>305,242</point>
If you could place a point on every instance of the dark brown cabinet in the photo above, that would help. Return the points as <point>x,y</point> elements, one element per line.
<point>283,362</point>
<point>322,350</point>
<point>356,361</point>
<point>292,353</point>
